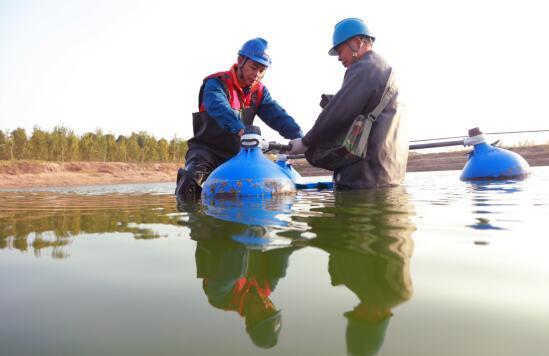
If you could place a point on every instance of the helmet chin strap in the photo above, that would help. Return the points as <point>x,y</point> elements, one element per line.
<point>240,66</point>
<point>355,50</point>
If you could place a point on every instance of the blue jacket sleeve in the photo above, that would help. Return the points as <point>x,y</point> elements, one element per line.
<point>277,118</point>
<point>217,106</point>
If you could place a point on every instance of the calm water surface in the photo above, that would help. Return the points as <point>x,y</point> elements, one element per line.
<point>436,267</point>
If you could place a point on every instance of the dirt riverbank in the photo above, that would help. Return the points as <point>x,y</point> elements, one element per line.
<point>443,161</point>
<point>27,174</point>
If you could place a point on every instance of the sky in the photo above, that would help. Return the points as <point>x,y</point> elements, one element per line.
<point>126,66</point>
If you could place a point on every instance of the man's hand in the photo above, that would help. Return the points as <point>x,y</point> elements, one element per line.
<point>324,99</point>
<point>297,147</point>
<point>240,133</point>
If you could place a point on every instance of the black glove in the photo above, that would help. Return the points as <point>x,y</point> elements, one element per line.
<point>324,99</point>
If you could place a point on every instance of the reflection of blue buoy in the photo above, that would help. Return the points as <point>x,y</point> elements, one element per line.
<point>260,217</point>
<point>249,173</point>
<point>487,162</point>
<point>251,210</point>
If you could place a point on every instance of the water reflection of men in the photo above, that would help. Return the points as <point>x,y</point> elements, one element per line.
<point>237,277</point>
<point>370,246</point>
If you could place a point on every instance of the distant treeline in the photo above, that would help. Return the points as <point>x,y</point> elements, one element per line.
<point>63,145</point>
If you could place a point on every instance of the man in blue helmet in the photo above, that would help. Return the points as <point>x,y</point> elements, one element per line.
<point>228,101</point>
<point>363,87</point>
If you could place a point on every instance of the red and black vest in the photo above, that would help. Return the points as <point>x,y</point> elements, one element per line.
<point>242,289</point>
<point>207,132</point>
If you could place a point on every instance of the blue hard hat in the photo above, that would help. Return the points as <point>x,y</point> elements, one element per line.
<point>256,50</point>
<point>346,29</point>
<point>265,332</point>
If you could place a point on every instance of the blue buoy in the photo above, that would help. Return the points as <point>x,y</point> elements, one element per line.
<point>299,181</point>
<point>249,173</point>
<point>487,162</point>
<point>282,162</point>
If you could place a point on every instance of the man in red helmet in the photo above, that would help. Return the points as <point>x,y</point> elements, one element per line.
<point>363,87</point>
<point>228,101</point>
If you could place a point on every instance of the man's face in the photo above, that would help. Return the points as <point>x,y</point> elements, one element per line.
<point>344,54</point>
<point>252,72</point>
